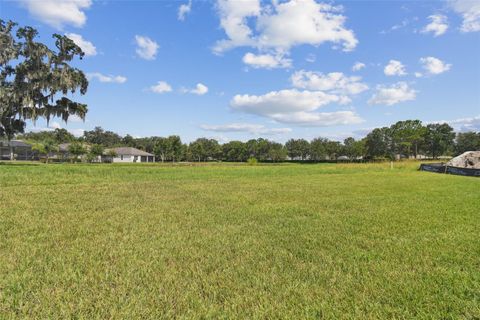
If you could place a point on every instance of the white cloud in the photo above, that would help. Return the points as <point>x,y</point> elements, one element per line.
<point>319,119</point>
<point>434,66</point>
<point>393,94</point>
<point>87,47</point>
<point>470,11</point>
<point>466,124</point>
<point>200,89</point>
<point>358,66</point>
<point>75,118</point>
<point>106,78</point>
<point>335,82</point>
<point>184,9</point>
<point>161,87</point>
<point>266,61</point>
<point>57,13</point>
<point>394,68</point>
<point>418,74</point>
<point>283,101</point>
<point>77,132</point>
<point>282,25</point>
<point>295,107</point>
<point>438,25</point>
<point>251,128</point>
<point>55,125</point>
<point>146,47</point>
<point>233,20</point>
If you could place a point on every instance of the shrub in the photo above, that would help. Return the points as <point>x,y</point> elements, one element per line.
<point>252,161</point>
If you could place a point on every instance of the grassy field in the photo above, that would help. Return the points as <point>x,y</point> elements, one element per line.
<point>232,241</point>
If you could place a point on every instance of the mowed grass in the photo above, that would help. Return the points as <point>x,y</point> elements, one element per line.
<point>229,241</point>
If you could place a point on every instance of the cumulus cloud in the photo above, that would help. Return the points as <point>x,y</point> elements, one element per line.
<point>393,94</point>
<point>266,61</point>
<point>55,125</point>
<point>358,66</point>
<point>434,66</point>
<point>470,12</point>
<point>438,25</point>
<point>335,82</point>
<point>466,124</point>
<point>394,68</point>
<point>200,89</point>
<point>251,128</point>
<point>58,13</point>
<point>294,106</point>
<point>277,27</point>
<point>87,47</point>
<point>184,9</point>
<point>161,87</point>
<point>146,47</point>
<point>106,78</point>
<point>319,119</point>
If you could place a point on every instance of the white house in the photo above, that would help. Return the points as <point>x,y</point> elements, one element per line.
<point>128,154</point>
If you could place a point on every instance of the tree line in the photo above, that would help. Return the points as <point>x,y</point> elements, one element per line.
<point>407,139</point>
<point>35,81</point>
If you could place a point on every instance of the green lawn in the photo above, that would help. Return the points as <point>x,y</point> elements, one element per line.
<point>238,242</point>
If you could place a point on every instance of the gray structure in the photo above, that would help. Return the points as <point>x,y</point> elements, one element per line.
<point>16,150</point>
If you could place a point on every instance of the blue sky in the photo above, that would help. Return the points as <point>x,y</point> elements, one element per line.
<point>244,69</point>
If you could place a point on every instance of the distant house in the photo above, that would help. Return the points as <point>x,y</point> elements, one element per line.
<point>16,150</point>
<point>128,154</point>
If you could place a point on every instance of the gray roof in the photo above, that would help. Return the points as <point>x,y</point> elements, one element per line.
<point>14,144</point>
<point>128,151</point>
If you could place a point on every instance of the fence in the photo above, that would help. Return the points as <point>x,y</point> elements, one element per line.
<point>443,168</point>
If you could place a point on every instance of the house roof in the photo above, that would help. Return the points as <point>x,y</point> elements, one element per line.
<point>128,151</point>
<point>14,144</point>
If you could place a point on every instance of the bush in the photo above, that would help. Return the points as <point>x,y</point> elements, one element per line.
<point>252,161</point>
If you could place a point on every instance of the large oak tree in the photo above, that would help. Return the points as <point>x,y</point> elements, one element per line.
<point>35,80</point>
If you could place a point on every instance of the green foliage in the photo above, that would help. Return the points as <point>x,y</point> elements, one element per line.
<point>235,151</point>
<point>168,149</point>
<point>409,138</point>
<point>353,241</point>
<point>76,149</point>
<point>95,153</point>
<point>45,148</point>
<point>378,143</point>
<point>32,76</point>
<point>354,149</point>
<point>58,136</point>
<point>252,161</point>
<point>467,141</point>
<point>204,149</point>
<point>100,136</point>
<point>298,149</point>
<point>97,150</point>
<point>439,139</point>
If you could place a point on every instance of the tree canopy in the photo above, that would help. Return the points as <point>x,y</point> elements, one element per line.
<point>34,80</point>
